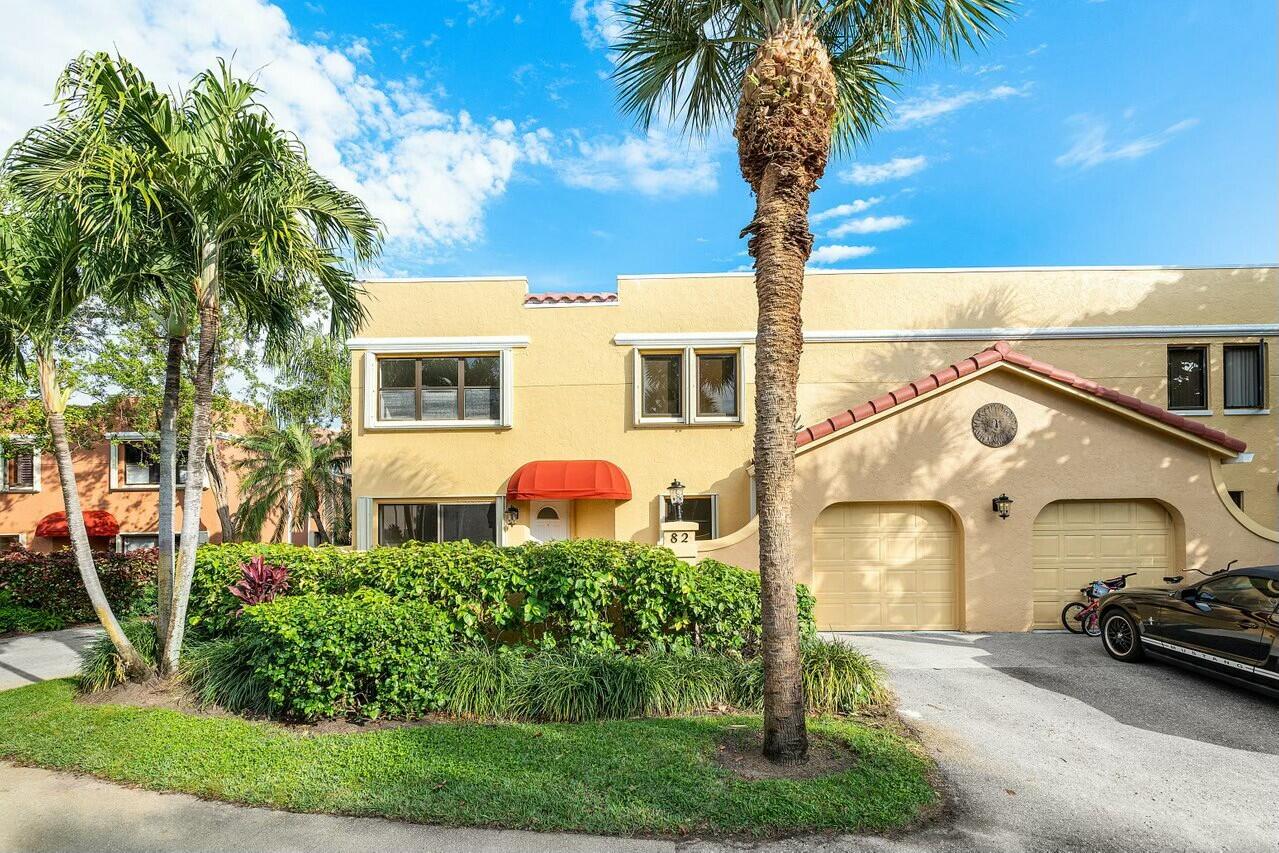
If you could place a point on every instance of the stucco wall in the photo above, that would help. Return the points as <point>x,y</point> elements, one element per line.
<point>1065,448</point>
<point>573,393</point>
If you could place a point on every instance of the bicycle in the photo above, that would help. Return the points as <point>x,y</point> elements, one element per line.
<point>1080,618</point>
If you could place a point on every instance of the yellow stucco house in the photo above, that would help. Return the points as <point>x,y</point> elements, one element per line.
<point>1125,412</point>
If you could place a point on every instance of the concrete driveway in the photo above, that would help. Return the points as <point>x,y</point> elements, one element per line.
<point>39,657</point>
<point>1049,745</point>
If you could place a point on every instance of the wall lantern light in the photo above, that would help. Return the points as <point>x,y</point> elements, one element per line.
<point>1002,505</point>
<point>512,515</point>
<point>675,494</point>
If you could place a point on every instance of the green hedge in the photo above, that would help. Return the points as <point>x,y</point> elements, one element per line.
<point>586,594</point>
<point>48,590</point>
<point>360,655</point>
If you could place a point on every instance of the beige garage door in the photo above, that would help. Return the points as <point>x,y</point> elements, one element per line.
<point>885,566</point>
<point>1081,541</point>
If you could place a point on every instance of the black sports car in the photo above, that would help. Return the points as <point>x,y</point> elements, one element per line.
<point>1226,624</point>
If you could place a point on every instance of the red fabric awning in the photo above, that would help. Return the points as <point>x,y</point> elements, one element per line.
<point>569,479</point>
<point>98,522</point>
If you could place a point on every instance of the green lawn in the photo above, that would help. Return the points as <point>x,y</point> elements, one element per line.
<point>623,777</point>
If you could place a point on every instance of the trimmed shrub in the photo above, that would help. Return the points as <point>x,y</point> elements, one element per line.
<point>212,609</point>
<point>26,620</point>
<point>360,655</point>
<point>50,583</point>
<point>100,665</point>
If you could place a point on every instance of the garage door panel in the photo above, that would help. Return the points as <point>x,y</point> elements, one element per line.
<point>895,567</point>
<point>1076,542</point>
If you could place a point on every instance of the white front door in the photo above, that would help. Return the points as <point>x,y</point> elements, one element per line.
<point>550,521</point>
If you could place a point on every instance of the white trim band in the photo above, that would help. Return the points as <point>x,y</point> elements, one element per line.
<point>449,345</point>
<point>855,336</point>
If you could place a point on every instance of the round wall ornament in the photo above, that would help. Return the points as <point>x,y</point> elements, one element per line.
<point>994,425</point>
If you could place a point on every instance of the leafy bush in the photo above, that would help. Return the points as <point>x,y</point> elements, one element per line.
<point>586,594</point>
<point>25,620</point>
<point>362,655</point>
<point>260,582</point>
<point>100,664</point>
<point>50,583</point>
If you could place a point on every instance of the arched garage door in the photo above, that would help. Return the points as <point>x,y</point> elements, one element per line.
<point>1080,541</point>
<point>885,566</point>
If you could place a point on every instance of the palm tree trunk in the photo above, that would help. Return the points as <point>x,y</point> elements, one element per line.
<point>288,513</point>
<point>221,494</point>
<point>783,132</point>
<point>54,400</point>
<point>320,532</point>
<point>779,287</point>
<point>201,421</point>
<point>168,488</point>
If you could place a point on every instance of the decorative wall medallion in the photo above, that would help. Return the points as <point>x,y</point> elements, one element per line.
<point>994,425</point>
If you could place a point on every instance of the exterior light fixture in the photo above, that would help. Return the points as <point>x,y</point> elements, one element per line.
<point>1002,505</point>
<point>512,514</point>
<point>675,494</point>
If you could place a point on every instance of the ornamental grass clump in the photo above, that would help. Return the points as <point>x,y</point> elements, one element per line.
<point>101,666</point>
<point>221,672</point>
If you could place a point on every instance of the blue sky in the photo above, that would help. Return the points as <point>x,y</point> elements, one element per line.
<point>486,134</point>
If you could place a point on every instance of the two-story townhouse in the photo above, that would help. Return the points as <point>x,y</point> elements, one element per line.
<point>1124,411</point>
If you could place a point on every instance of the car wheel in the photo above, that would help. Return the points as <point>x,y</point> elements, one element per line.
<point>1119,636</point>
<point>1070,617</point>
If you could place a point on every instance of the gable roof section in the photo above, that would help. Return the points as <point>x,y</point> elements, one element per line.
<point>1002,352</point>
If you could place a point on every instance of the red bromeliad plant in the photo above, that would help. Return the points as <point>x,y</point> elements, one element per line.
<point>261,583</point>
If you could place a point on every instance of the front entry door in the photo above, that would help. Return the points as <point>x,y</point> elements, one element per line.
<point>550,521</point>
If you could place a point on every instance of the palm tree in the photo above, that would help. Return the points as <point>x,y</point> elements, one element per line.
<point>252,225</point>
<point>289,474</point>
<point>44,278</point>
<point>796,77</point>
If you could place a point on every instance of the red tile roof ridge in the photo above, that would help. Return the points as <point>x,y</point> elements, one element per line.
<point>569,298</point>
<point>1003,351</point>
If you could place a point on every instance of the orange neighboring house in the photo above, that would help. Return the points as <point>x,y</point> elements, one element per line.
<point>118,479</point>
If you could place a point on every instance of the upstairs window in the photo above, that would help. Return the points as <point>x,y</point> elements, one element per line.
<point>1188,378</point>
<point>1244,376</point>
<point>142,464</point>
<point>688,386</point>
<point>440,388</point>
<point>21,470</point>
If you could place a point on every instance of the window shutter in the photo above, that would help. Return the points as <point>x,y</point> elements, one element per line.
<point>24,470</point>
<point>1243,377</point>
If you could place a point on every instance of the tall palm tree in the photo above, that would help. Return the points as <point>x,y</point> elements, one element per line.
<point>289,474</point>
<point>795,77</point>
<point>252,225</point>
<point>45,277</point>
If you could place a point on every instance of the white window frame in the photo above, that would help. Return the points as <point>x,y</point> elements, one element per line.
<point>21,537</point>
<point>661,507</point>
<point>35,468</point>
<point>202,538</point>
<point>376,348</point>
<point>688,386</point>
<point>366,516</point>
<point>114,483</point>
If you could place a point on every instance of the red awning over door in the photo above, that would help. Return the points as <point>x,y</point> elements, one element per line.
<point>568,479</point>
<point>98,522</point>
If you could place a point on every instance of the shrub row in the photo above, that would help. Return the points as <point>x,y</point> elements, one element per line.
<point>50,584</point>
<point>583,594</point>
<point>366,655</point>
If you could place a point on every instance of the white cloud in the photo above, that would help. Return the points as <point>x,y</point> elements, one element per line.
<point>933,104</point>
<point>599,22</point>
<point>841,210</point>
<point>658,163</point>
<point>869,225</point>
<point>427,172</point>
<point>878,173</point>
<point>835,254</point>
<point>1092,145</point>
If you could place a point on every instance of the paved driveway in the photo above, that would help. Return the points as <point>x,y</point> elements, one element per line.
<point>1048,744</point>
<point>38,657</point>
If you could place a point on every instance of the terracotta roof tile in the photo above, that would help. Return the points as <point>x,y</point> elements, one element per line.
<point>1001,351</point>
<point>570,298</point>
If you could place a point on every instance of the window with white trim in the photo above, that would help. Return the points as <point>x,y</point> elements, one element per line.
<point>703,509</point>
<point>689,385</point>
<point>398,523</point>
<point>1188,378</point>
<point>141,461</point>
<point>20,471</point>
<point>9,541</point>
<point>447,390</point>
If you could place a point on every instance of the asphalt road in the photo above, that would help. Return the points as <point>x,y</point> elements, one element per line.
<point>39,657</point>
